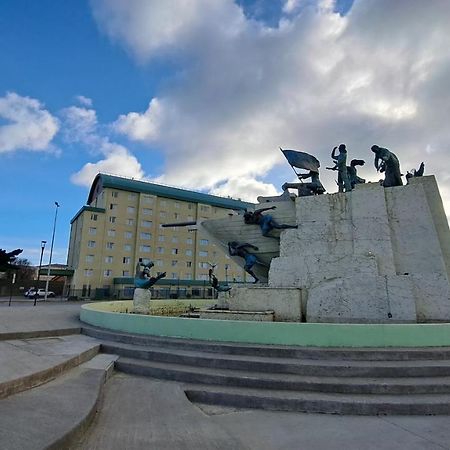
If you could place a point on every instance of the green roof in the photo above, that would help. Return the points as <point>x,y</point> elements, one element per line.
<point>87,208</point>
<point>126,184</point>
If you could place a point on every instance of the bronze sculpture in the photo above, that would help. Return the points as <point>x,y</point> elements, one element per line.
<point>387,162</point>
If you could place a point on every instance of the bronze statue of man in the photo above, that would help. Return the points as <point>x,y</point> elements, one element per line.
<point>387,162</point>
<point>340,162</point>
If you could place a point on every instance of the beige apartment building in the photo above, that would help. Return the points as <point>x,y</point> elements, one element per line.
<point>122,223</point>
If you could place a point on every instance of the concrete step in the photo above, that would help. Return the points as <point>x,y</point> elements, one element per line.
<point>314,402</point>
<point>305,367</point>
<point>368,354</point>
<point>53,415</point>
<point>27,363</point>
<point>278,381</point>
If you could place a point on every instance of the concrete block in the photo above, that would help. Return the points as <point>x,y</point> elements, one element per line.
<point>306,271</point>
<point>362,299</point>
<point>286,303</point>
<point>432,296</point>
<point>141,301</point>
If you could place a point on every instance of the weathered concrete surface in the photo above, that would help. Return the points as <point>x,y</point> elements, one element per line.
<point>30,362</point>
<point>28,320</point>
<point>141,301</point>
<point>258,316</point>
<point>286,303</point>
<point>51,416</point>
<point>362,299</point>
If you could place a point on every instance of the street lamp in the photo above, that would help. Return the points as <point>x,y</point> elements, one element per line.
<point>51,251</point>
<point>39,271</point>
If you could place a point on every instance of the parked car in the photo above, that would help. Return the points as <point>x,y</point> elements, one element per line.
<point>40,293</point>
<point>27,292</point>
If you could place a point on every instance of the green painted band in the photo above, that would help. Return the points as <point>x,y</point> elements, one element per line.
<point>277,333</point>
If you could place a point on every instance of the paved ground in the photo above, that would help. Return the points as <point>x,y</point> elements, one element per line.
<point>139,413</point>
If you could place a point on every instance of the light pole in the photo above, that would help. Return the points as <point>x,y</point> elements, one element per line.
<point>39,271</point>
<point>51,251</point>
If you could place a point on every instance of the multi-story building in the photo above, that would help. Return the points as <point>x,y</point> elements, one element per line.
<point>122,223</point>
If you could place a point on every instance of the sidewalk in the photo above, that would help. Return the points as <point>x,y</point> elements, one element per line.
<point>137,411</point>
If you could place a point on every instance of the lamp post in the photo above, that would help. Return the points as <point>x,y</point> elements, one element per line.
<point>51,251</point>
<point>39,271</point>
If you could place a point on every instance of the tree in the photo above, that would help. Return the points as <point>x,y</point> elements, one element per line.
<point>7,259</point>
<point>24,269</point>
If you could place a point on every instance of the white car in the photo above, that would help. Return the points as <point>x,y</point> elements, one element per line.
<point>40,293</point>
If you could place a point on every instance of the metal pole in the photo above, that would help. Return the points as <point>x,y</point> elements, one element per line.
<point>39,271</point>
<point>51,251</point>
<point>13,280</point>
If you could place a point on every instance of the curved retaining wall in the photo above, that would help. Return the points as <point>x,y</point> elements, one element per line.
<point>280,333</point>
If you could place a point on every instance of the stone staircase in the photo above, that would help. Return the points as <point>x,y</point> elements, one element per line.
<point>325,380</point>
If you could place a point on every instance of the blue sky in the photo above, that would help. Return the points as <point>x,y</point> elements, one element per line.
<point>201,94</point>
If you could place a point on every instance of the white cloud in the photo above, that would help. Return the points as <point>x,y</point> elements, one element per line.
<point>29,127</point>
<point>80,124</point>
<point>118,162</point>
<point>84,101</point>
<point>246,189</point>
<point>319,79</point>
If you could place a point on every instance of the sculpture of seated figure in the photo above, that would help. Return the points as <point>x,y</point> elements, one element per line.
<point>314,187</point>
<point>387,162</point>
<point>353,174</point>
<point>415,173</point>
<point>143,280</point>
<point>266,222</point>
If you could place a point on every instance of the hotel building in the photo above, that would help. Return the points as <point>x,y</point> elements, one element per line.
<point>122,223</point>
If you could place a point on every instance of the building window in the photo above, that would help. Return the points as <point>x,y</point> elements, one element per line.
<point>204,208</point>
<point>89,258</point>
<point>161,238</point>
<point>147,211</point>
<point>94,216</point>
<point>111,233</point>
<point>146,223</point>
<point>162,203</point>
<point>190,206</point>
<point>160,250</point>
<point>162,214</point>
<point>174,262</point>
<point>202,253</point>
<point>145,235</point>
<point>175,239</point>
<point>110,245</point>
<point>113,206</point>
<point>174,251</point>
<point>190,218</point>
<point>112,219</point>
<point>145,248</point>
<point>92,230</point>
<point>159,263</point>
<point>108,259</point>
<point>114,194</point>
<point>203,276</point>
<point>188,252</point>
<point>132,196</point>
<point>176,216</point>
<point>127,248</point>
<point>203,265</point>
<point>107,273</point>
<point>126,260</point>
<point>129,222</point>
<point>147,199</point>
<point>177,205</point>
<point>88,272</point>
<point>145,260</point>
<point>204,242</point>
<point>131,209</point>
<point>189,241</point>
<point>174,275</point>
<point>188,276</point>
<point>91,244</point>
<point>125,273</point>
<point>128,234</point>
<point>188,263</point>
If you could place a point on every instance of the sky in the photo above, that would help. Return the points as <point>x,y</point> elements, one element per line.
<point>201,94</point>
